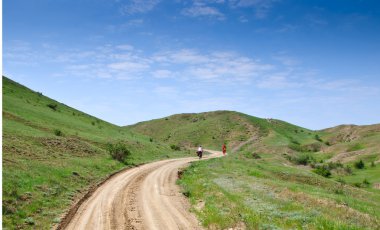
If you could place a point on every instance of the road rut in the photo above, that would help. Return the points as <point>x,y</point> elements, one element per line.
<point>144,197</point>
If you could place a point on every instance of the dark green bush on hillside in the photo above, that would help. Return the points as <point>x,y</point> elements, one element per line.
<point>52,106</point>
<point>118,151</point>
<point>302,159</point>
<point>58,132</point>
<point>359,164</point>
<point>322,170</point>
<point>318,138</point>
<point>175,147</point>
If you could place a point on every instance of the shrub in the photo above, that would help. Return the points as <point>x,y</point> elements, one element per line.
<point>52,106</point>
<point>359,164</point>
<point>118,151</point>
<point>58,132</point>
<point>295,147</point>
<point>151,139</point>
<point>256,156</point>
<point>358,184</point>
<point>318,138</point>
<point>366,183</point>
<point>303,159</point>
<point>322,170</point>
<point>334,165</point>
<point>175,147</point>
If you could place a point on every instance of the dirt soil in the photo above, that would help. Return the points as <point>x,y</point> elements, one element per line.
<point>144,197</point>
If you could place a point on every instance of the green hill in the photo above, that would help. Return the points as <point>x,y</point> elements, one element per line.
<point>212,129</point>
<point>53,153</point>
<point>277,175</point>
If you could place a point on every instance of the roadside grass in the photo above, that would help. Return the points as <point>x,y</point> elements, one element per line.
<point>267,194</point>
<point>53,154</point>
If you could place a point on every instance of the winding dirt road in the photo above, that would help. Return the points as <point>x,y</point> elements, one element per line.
<point>144,197</point>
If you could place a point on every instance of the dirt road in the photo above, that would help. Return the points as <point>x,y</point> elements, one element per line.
<point>145,197</point>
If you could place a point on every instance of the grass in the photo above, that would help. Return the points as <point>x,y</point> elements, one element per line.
<point>266,194</point>
<point>53,153</point>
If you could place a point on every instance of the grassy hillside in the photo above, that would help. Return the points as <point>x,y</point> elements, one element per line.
<point>52,153</point>
<point>278,176</point>
<point>212,129</point>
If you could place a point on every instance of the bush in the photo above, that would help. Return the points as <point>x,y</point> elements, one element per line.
<point>359,164</point>
<point>366,183</point>
<point>118,151</point>
<point>175,147</point>
<point>334,165</point>
<point>318,138</point>
<point>322,170</point>
<point>256,156</point>
<point>295,147</point>
<point>52,106</point>
<point>58,132</point>
<point>303,159</point>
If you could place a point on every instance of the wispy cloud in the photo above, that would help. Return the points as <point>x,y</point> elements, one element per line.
<point>200,10</point>
<point>261,7</point>
<point>126,62</point>
<point>139,6</point>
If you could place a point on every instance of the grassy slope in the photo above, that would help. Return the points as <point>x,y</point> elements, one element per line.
<point>42,172</point>
<point>274,192</point>
<point>212,129</point>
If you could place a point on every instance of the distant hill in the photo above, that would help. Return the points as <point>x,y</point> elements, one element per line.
<point>239,130</point>
<point>52,153</point>
<point>212,129</point>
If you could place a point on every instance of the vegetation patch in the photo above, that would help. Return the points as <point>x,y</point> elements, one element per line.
<point>118,151</point>
<point>356,147</point>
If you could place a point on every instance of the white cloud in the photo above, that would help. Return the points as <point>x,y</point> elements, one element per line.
<point>215,66</point>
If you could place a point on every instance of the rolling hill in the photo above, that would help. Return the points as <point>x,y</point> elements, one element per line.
<point>52,154</point>
<point>277,175</point>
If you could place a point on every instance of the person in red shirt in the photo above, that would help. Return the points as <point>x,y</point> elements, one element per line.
<point>224,149</point>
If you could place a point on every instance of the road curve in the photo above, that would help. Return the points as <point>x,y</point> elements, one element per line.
<point>144,197</point>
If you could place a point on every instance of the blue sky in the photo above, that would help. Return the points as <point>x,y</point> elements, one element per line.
<point>312,63</point>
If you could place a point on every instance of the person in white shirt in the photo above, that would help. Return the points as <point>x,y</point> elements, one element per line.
<point>200,152</point>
